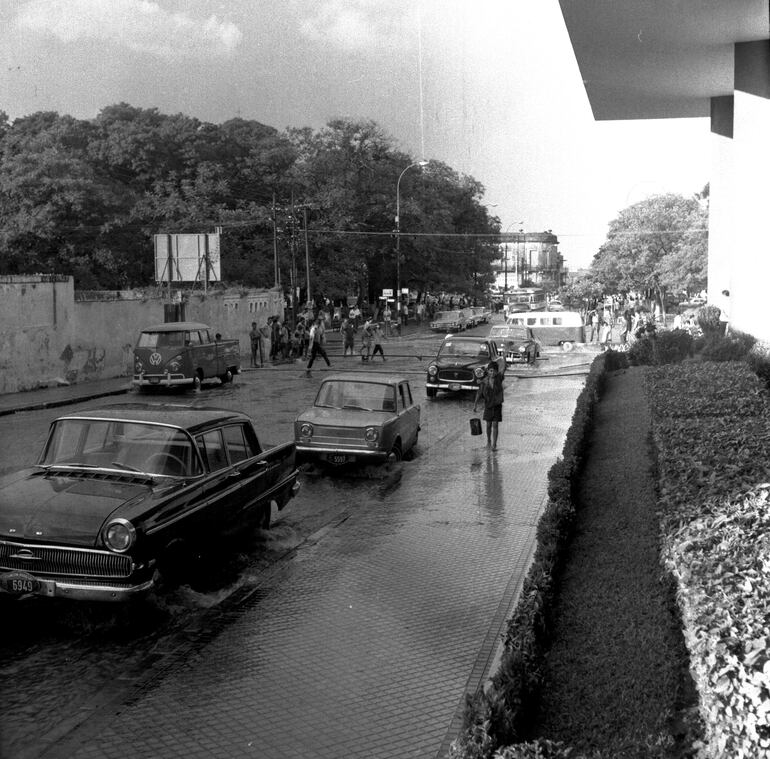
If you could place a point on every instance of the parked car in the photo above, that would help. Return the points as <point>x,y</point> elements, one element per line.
<point>359,418</point>
<point>517,343</point>
<point>126,492</point>
<point>480,314</point>
<point>449,321</point>
<point>461,363</point>
<point>183,353</point>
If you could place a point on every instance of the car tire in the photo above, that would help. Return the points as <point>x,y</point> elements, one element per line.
<point>226,377</point>
<point>431,392</point>
<point>196,385</point>
<point>566,346</point>
<point>395,454</point>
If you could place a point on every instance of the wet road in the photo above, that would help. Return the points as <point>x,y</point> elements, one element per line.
<point>368,603</point>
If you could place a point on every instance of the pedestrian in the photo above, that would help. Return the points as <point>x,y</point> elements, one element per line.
<point>355,315</point>
<point>255,336</point>
<point>284,341</point>
<point>348,337</point>
<point>595,324</point>
<point>377,338</point>
<point>724,312</point>
<point>366,341</point>
<point>622,325</point>
<point>490,391</point>
<point>317,341</point>
<point>387,315</point>
<point>275,337</point>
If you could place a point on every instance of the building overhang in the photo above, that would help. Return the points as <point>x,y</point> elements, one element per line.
<point>657,59</point>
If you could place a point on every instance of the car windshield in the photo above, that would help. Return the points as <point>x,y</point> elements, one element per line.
<point>161,340</point>
<point>120,445</point>
<point>362,396</point>
<point>446,315</point>
<point>464,348</point>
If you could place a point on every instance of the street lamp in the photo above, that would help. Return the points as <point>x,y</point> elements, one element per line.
<point>398,236</point>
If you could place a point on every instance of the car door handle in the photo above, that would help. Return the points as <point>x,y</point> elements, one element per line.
<point>235,473</point>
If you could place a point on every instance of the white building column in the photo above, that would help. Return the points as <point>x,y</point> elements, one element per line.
<point>749,252</point>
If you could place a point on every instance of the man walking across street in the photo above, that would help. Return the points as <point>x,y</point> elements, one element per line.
<point>317,340</point>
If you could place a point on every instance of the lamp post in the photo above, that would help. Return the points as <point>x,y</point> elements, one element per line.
<point>398,235</point>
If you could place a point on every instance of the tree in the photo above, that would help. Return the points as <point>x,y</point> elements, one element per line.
<point>659,242</point>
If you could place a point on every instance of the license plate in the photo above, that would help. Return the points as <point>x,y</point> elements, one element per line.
<point>19,583</point>
<point>337,458</point>
<point>454,386</point>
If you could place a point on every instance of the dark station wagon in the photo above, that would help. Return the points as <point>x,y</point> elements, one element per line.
<point>125,492</point>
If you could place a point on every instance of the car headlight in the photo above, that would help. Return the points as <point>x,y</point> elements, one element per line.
<point>432,370</point>
<point>522,349</point>
<point>119,535</point>
<point>372,434</point>
<point>138,366</point>
<point>479,372</point>
<point>174,363</point>
<point>306,430</point>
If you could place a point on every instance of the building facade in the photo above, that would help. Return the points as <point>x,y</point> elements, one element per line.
<point>529,259</point>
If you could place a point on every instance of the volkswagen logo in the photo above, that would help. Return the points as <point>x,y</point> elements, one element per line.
<point>155,359</point>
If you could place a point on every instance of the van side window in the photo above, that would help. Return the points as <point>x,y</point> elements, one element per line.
<point>532,322</point>
<point>557,320</point>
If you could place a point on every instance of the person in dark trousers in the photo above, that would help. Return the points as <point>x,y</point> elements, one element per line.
<point>377,338</point>
<point>491,393</point>
<point>317,340</point>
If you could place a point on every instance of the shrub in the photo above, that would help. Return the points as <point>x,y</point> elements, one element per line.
<point>732,347</point>
<point>642,352</point>
<point>672,346</point>
<point>708,319</point>
<point>759,362</point>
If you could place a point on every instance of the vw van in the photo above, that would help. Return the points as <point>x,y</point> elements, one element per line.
<point>562,328</point>
<point>183,354</point>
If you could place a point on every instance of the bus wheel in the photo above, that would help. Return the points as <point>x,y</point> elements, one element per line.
<point>566,346</point>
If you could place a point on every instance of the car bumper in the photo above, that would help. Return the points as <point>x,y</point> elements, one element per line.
<point>73,589</point>
<point>161,380</point>
<point>337,455</point>
<point>452,386</point>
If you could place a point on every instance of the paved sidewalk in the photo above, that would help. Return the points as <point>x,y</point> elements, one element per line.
<point>63,395</point>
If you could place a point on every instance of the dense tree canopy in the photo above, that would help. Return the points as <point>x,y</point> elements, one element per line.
<point>659,242</point>
<point>84,197</point>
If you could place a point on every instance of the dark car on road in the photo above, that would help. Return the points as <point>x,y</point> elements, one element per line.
<point>517,343</point>
<point>461,363</point>
<point>124,493</point>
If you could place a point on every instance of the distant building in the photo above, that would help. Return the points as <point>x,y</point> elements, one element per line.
<point>529,257</point>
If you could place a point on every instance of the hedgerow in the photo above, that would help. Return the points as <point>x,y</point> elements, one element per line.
<point>713,442</point>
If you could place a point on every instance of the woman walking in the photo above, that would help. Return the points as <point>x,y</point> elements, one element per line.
<point>491,393</point>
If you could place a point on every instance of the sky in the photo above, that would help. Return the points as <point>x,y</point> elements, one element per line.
<point>489,87</point>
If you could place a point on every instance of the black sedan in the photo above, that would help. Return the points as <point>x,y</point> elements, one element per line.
<point>460,364</point>
<point>516,342</point>
<point>125,492</point>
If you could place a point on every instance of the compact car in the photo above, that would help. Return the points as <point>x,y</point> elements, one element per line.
<point>449,321</point>
<point>461,363</point>
<point>358,418</point>
<point>125,493</point>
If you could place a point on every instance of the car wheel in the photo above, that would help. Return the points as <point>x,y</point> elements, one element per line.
<point>409,455</point>
<point>566,346</point>
<point>196,382</point>
<point>395,453</point>
<point>432,392</point>
<point>226,377</point>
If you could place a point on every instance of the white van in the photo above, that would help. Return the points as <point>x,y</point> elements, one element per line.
<point>562,328</point>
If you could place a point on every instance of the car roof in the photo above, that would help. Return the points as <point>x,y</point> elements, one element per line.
<point>467,338</point>
<point>175,327</point>
<point>379,378</point>
<point>175,415</point>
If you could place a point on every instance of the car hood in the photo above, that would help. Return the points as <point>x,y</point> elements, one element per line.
<point>60,508</point>
<point>459,363</point>
<point>335,417</point>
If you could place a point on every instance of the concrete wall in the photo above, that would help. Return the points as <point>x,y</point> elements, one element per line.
<point>51,335</point>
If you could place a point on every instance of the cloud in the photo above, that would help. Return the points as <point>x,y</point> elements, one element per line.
<point>139,25</point>
<point>357,25</point>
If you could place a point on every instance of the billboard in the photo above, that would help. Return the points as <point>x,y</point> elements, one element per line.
<point>187,257</point>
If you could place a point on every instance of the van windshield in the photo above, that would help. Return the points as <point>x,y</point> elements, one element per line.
<point>161,340</point>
